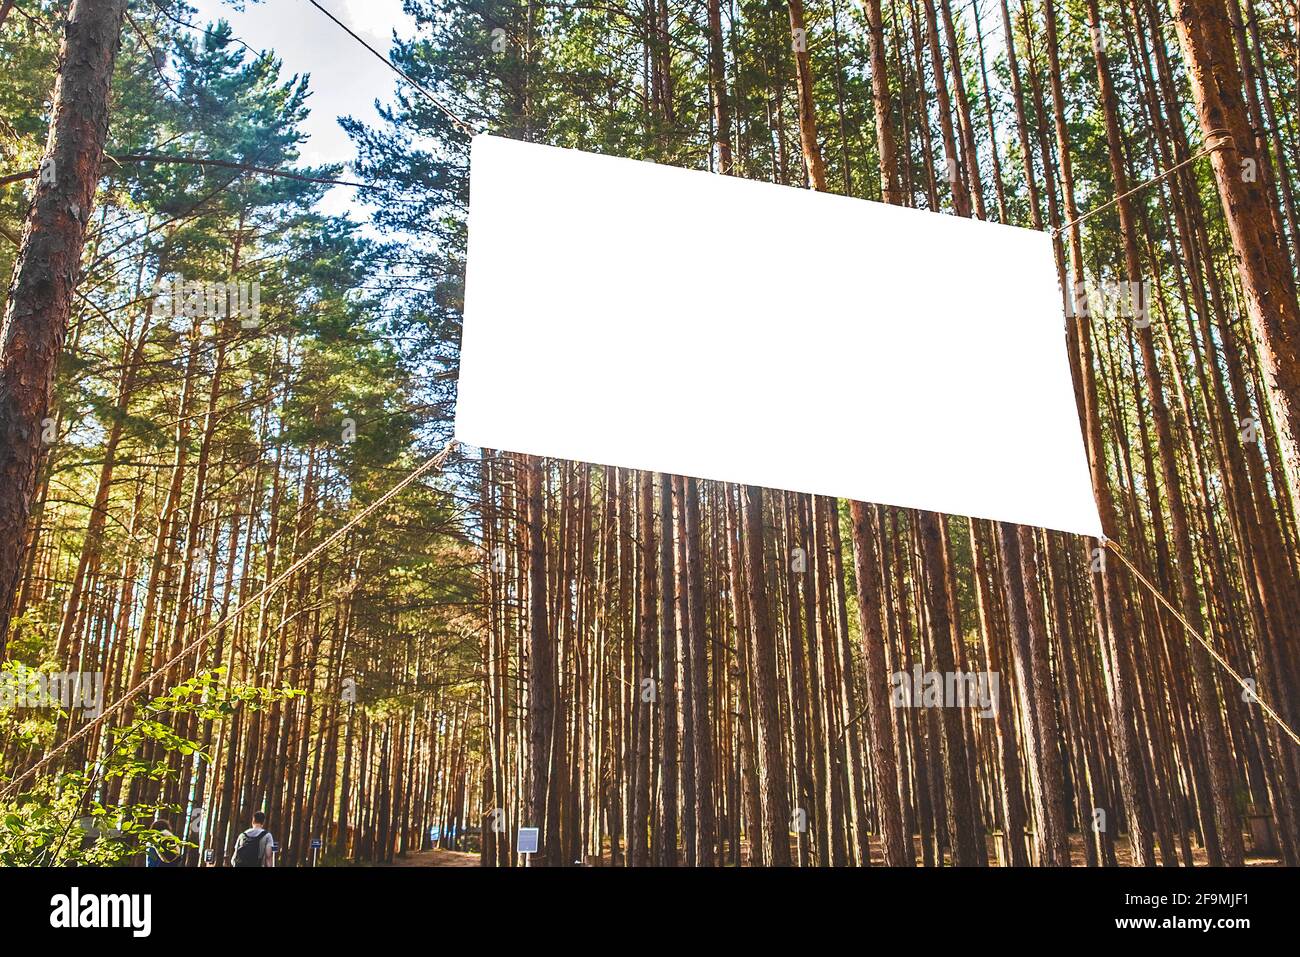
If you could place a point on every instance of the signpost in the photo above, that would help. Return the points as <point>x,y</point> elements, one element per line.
<point>527,843</point>
<point>209,857</point>
<point>315,846</point>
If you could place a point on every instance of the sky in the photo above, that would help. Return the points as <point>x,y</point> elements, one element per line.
<point>345,79</point>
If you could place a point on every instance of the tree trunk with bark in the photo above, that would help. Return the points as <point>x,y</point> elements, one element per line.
<point>48,267</point>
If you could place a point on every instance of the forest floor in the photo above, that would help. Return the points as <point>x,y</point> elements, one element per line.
<point>1078,857</point>
<point>1124,854</point>
<point>437,857</point>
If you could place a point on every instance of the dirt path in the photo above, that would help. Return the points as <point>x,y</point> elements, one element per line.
<point>437,858</point>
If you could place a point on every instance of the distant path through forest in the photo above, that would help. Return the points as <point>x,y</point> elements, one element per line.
<point>437,857</point>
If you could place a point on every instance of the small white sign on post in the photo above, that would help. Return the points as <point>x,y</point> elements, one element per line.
<point>527,842</point>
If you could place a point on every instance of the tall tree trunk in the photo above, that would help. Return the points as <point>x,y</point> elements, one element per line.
<point>895,844</point>
<point>541,666</point>
<point>1205,34</point>
<point>706,823</point>
<point>46,270</point>
<point>773,781</point>
<point>812,154</point>
<point>718,79</point>
<point>666,702</point>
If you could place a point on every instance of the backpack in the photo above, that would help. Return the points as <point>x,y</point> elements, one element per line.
<point>248,850</point>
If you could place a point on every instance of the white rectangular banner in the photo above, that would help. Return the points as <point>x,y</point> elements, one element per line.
<point>656,318</point>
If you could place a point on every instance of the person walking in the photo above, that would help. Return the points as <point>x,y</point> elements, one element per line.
<point>254,847</point>
<point>166,853</point>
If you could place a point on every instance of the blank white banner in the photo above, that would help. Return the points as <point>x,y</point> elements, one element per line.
<point>644,316</point>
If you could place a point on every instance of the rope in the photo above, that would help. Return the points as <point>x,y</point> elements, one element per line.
<point>1224,142</point>
<point>436,462</point>
<point>463,124</point>
<point>1201,638</point>
<point>1221,140</point>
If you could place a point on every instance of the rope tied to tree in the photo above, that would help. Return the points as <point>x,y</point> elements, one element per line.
<point>1222,141</point>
